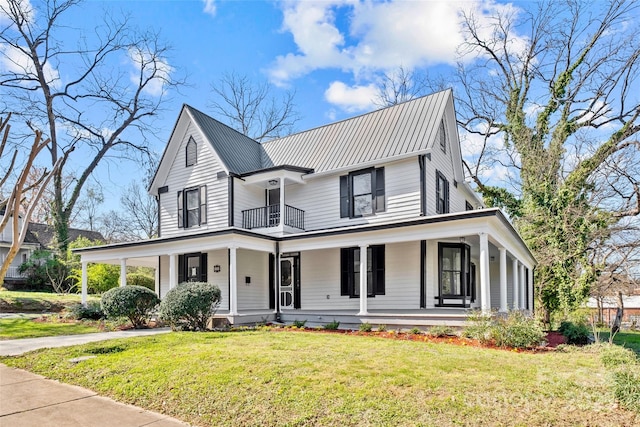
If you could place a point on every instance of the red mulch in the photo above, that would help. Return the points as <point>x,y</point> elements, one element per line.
<point>553,339</point>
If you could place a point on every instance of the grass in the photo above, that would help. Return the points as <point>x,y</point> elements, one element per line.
<point>17,301</point>
<point>299,379</point>
<point>628,339</point>
<point>16,328</point>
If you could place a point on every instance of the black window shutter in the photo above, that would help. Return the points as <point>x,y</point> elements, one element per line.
<point>446,196</point>
<point>180,210</point>
<point>272,281</point>
<point>203,204</point>
<point>379,190</point>
<point>344,196</point>
<point>180,268</point>
<point>344,270</point>
<point>378,269</point>
<point>439,207</point>
<point>203,267</point>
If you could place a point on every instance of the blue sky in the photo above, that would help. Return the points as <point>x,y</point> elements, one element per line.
<point>331,53</point>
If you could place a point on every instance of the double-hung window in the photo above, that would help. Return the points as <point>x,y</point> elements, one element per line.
<point>362,193</point>
<point>442,194</point>
<point>350,271</point>
<point>192,207</point>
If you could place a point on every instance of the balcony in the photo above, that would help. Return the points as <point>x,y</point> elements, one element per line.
<point>14,273</point>
<point>269,216</point>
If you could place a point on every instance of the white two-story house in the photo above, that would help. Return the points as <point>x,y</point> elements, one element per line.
<point>364,220</point>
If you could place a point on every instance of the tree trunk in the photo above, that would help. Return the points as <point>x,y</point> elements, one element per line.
<point>615,327</point>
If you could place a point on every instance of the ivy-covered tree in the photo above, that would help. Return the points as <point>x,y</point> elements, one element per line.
<point>551,99</point>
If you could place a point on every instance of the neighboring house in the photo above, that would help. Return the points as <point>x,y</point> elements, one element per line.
<point>39,236</point>
<point>365,220</point>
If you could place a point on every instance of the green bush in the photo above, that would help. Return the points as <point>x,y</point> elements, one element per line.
<point>478,326</point>
<point>365,327</point>
<point>332,326</point>
<point>415,331</point>
<point>382,328</point>
<point>139,279</point>
<point>441,331</point>
<point>133,302</point>
<point>189,305</point>
<point>92,311</point>
<point>517,331</point>
<point>576,333</point>
<point>299,323</point>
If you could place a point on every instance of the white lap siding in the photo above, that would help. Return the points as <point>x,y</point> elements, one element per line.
<point>255,265</point>
<point>320,281</point>
<point>204,172</point>
<point>245,197</point>
<point>402,278</point>
<point>221,278</point>
<point>320,197</point>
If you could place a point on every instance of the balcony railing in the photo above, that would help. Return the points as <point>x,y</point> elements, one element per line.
<point>269,216</point>
<point>14,273</point>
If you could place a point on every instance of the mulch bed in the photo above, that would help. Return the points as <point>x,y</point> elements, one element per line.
<point>553,339</point>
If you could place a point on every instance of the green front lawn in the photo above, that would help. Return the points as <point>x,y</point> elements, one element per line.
<point>17,301</point>
<point>301,378</point>
<point>628,339</point>
<point>34,328</point>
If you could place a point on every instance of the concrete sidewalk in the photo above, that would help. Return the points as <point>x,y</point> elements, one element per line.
<point>17,347</point>
<point>28,400</point>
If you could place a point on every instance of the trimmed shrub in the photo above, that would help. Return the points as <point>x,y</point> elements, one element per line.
<point>133,302</point>
<point>365,327</point>
<point>92,311</point>
<point>575,333</point>
<point>189,305</point>
<point>478,326</point>
<point>139,279</point>
<point>517,330</point>
<point>332,326</point>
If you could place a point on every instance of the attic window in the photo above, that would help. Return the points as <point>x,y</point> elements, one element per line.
<point>191,152</point>
<point>443,137</point>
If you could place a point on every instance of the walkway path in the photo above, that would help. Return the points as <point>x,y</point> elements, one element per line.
<point>16,347</point>
<point>27,399</point>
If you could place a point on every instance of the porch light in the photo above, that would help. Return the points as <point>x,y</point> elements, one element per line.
<point>462,240</point>
<point>216,268</point>
<point>273,182</point>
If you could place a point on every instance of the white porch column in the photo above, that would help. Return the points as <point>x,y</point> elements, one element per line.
<point>282,203</point>
<point>173,279</point>
<point>84,283</point>
<point>363,280</point>
<point>485,291</point>
<point>515,284</point>
<point>521,285</point>
<point>503,279</point>
<point>156,276</point>
<point>123,272</point>
<point>233,282</point>
<point>530,289</point>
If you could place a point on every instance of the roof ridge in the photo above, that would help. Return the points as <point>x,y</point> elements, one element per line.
<point>222,123</point>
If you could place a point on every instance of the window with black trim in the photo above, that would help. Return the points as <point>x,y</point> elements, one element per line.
<point>362,193</point>
<point>192,207</point>
<point>191,152</point>
<point>442,135</point>
<point>468,206</point>
<point>456,273</point>
<point>192,267</point>
<point>442,194</point>
<point>350,271</point>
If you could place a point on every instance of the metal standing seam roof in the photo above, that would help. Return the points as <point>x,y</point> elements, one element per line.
<point>238,152</point>
<point>389,132</point>
<point>400,129</point>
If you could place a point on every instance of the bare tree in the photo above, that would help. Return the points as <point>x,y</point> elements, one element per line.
<point>18,206</point>
<point>400,85</point>
<point>252,109</point>
<point>532,102</point>
<point>74,91</point>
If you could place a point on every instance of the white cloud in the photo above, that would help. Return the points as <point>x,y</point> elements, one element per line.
<point>210,7</point>
<point>13,60</point>
<point>351,98</point>
<point>26,8</point>
<point>153,71</point>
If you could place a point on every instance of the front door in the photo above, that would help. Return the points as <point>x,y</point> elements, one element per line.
<point>289,282</point>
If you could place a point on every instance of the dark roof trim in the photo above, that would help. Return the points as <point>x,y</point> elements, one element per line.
<point>224,232</point>
<point>289,168</point>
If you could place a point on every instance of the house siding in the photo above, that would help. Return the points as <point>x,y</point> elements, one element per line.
<point>255,265</point>
<point>320,281</point>
<point>204,172</point>
<point>246,197</point>
<point>320,197</point>
<point>402,278</point>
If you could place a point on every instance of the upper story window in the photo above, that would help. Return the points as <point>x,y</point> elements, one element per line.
<point>442,193</point>
<point>442,134</point>
<point>362,193</point>
<point>468,206</point>
<point>192,207</point>
<point>191,152</point>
